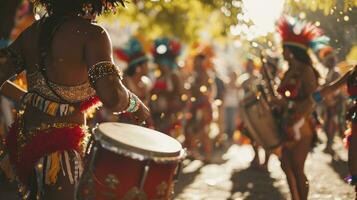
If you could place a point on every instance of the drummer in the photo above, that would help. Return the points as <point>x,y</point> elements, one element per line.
<point>349,79</point>
<point>296,87</point>
<point>249,87</point>
<point>69,67</point>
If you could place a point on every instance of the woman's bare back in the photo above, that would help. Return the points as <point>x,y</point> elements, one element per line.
<point>65,65</point>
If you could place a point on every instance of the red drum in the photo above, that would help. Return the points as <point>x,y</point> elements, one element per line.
<point>130,162</point>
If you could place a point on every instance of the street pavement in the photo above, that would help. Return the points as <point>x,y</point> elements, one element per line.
<point>230,177</point>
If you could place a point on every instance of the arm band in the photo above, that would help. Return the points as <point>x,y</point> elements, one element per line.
<point>133,103</point>
<point>101,70</point>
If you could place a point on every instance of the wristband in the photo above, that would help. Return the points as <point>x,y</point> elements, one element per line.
<point>133,103</point>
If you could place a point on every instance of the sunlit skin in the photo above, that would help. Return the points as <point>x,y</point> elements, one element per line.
<point>68,66</point>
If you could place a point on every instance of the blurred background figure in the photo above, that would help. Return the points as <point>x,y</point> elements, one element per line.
<point>165,102</point>
<point>334,106</point>
<point>201,114</point>
<point>136,74</point>
<point>231,101</point>
<point>249,85</point>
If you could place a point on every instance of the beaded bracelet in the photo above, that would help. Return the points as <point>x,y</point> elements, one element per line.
<point>317,97</point>
<point>103,69</point>
<point>133,103</point>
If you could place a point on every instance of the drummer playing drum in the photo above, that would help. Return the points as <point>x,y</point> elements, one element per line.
<point>69,68</point>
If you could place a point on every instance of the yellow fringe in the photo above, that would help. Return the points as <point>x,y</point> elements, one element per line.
<point>51,174</point>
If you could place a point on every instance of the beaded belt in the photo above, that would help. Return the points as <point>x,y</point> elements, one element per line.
<point>56,109</point>
<point>47,106</point>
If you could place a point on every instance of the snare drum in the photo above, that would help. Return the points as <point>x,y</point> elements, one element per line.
<point>130,162</point>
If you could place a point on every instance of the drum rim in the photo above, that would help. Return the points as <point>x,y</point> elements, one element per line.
<point>136,152</point>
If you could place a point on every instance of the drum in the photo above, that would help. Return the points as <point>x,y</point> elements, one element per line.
<point>259,120</point>
<point>128,162</point>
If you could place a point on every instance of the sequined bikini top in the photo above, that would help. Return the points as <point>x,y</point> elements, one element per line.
<point>72,94</point>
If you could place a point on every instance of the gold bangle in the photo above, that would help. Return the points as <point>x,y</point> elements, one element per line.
<point>102,69</point>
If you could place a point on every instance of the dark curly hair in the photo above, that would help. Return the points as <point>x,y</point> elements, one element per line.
<point>55,7</point>
<point>302,56</point>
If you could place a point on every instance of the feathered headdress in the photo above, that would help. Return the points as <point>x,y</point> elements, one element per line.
<point>165,51</point>
<point>301,34</point>
<point>132,53</point>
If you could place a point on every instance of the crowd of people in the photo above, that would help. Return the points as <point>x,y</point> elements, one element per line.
<point>186,101</point>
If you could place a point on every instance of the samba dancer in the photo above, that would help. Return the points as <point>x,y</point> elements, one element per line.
<point>349,79</point>
<point>199,125</point>
<point>296,87</point>
<point>166,104</point>
<point>69,69</point>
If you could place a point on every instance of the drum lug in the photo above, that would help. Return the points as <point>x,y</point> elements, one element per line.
<point>145,174</point>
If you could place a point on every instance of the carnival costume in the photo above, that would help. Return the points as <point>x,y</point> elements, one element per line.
<point>165,102</point>
<point>302,35</point>
<point>42,152</point>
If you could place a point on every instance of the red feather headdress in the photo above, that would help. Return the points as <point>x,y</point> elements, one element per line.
<point>301,34</point>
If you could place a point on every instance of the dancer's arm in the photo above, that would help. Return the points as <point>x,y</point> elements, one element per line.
<point>332,87</point>
<point>105,77</point>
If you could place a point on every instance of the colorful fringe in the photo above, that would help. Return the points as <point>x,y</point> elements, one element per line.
<point>44,142</point>
<point>60,109</point>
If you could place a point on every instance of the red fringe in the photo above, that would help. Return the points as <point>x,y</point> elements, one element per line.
<point>43,143</point>
<point>307,34</point>
<point>121,54</point>
<point>90,103</point>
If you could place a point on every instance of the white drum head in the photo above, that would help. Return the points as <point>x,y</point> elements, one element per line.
<point>138,140</point>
